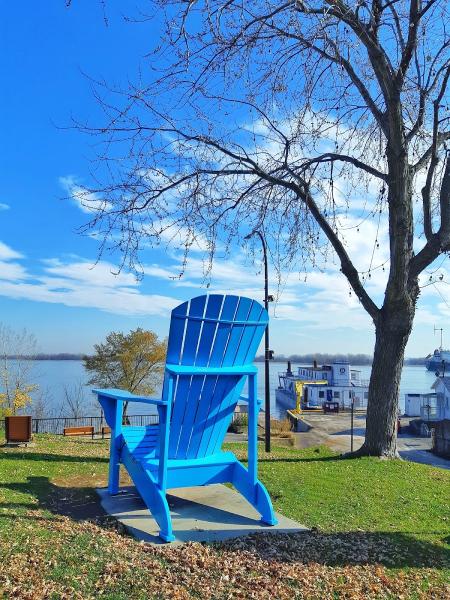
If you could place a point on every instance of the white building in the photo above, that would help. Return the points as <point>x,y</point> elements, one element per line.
<point>421,405</point>
<point>434,406</point>
<point>442,388</point>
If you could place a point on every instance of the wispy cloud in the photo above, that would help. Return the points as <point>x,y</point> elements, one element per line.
<point>320,310</point>
<point>4,206</point>
<point>79,283</point>
<point>88,202</point>
<point>7,253</point>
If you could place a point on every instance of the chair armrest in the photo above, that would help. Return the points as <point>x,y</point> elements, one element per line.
<point>128,396</point>
<point>188,370</point>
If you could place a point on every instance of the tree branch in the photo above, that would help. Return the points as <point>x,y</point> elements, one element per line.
<point>332,156</point>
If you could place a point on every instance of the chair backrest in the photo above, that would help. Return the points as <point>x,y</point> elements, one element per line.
<point>210,331</point>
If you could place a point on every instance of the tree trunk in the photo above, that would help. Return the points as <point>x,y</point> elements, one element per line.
<point>392,333</point>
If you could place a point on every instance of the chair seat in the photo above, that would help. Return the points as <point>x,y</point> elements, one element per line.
<point>220,458</point>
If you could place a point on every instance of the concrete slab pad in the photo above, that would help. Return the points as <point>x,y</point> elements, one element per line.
<point>199,514</point>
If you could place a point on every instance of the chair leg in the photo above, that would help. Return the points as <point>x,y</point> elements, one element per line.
<point>161,513</point>
<point>256,494</point>
<point>114,472</point>
<point>154,498</point>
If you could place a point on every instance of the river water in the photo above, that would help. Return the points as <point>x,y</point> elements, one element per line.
<point>56,376</point>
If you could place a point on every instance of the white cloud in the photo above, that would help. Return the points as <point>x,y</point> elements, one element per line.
<point>79,283</point>
<point>7,253</point>
<point>123,300</point>
<point>4,206</point>
<point>100,274</point>
<point>88,202</point>
<point>12,271</point>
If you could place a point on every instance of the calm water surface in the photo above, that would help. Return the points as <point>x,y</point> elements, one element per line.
<point>54,376</point>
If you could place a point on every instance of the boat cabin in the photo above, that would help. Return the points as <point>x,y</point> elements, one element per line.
<point>311,386</point>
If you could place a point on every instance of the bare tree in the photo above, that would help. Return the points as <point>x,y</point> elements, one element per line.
<point>17,365</point>
<point>43,404</point>
<point>282,115</point>
<point>74,401</point>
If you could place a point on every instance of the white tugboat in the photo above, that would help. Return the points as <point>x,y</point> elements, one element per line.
<point>440,359</point>
<point>312,387</point>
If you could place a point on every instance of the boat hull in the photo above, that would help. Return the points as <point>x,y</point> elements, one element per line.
<point>434,362</point>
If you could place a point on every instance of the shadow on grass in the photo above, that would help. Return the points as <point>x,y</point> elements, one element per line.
<point>391,549</point>
<point>36,456</point>
<point>41,456</point>
<point>78,503</point>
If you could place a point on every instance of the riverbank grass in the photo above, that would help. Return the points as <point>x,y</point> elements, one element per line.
<point>380,529</point>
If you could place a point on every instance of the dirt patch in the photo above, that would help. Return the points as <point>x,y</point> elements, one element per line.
<point>76,496</point>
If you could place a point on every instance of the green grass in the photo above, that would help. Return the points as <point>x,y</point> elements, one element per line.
<point>318,488</point>
<point>367,512</point>
<point>405,503</point>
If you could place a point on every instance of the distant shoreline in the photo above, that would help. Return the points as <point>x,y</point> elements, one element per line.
<point>357,360</point>
<point>307,359</point>
<point>62,356</point>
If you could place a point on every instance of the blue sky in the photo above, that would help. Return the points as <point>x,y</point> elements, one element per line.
<point>49,282</point>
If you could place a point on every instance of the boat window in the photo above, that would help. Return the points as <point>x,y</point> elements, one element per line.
<point>336,394</point>
<point>321,394</point>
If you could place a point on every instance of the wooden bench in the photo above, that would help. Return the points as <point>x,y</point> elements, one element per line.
<point>105,431</point>
<point>85,430</point>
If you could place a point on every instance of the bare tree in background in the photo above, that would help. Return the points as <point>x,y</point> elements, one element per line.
<point>74,403</point>
<point>283,115</point>
<point>17,366</point>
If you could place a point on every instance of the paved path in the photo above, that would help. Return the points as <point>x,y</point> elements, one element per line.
<point>334,431</point>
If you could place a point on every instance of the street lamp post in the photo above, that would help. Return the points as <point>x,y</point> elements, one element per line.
<point>267,351</point>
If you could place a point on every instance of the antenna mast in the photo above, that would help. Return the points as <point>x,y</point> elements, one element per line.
<point>441,330</point>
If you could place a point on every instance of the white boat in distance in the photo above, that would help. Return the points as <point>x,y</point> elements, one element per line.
<point>439,361</point>
<point>312,386</point>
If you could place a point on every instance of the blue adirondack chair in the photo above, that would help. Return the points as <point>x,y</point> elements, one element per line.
<point>212,343</point>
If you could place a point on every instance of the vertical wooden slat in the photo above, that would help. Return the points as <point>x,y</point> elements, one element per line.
<point>239,337</point>
<point>193,330</point>
<point>246,349</point>
<point>248,335</point>
<point>191,414</point>
<point>214,387</point>
<point>188,357</point>
<point>242,313</point>
<point>176,333</point>
<point>230,305</point>
<point>230,387</point>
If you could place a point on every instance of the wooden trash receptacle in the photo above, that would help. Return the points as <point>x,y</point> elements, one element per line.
<point>18,429</point>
